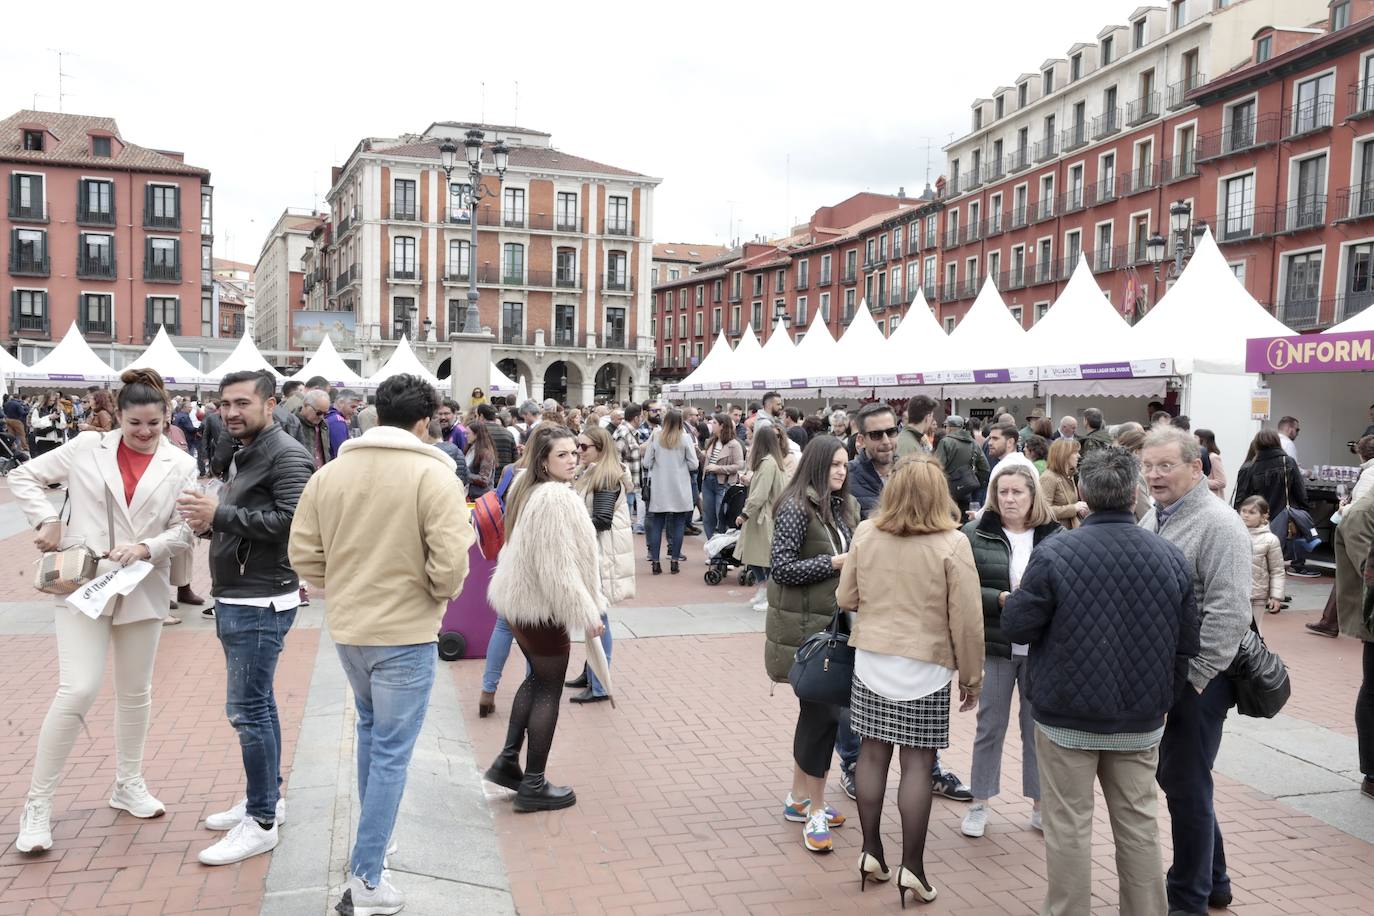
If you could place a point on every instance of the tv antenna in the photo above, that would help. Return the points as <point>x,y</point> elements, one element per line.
<point>61,75</point>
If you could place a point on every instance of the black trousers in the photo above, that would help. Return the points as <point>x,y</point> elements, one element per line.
<point>814,739</point>
<point>1364,713</point>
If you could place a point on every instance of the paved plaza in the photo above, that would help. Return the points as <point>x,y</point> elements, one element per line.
<point>679,787</point>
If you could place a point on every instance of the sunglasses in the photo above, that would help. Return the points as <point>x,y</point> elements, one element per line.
<point>583,446</point>
<point>877,434</point>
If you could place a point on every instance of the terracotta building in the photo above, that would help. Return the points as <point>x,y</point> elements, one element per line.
<point>563,259</point>
<point>674,260</point>
<point>99,231</point>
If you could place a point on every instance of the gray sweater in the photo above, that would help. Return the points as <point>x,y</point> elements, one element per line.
<point>1217,546</point>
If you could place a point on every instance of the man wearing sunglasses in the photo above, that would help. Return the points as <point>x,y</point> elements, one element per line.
<point>878,432</point>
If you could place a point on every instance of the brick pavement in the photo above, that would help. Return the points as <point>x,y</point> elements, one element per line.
<point>680,789</point>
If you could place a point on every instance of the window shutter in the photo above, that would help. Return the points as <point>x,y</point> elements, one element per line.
<point>14,310</point>
<point>176,254</point>
<point>147,202</point>
<point>147,255</point>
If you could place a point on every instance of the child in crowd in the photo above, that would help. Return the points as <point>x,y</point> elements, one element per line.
<point>1266,557</point>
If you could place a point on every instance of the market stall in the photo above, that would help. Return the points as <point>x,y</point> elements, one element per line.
<point>163,358</point>
<point>244,358</point>
<point>72,360</point>
<point>986,359</point>
<point>916,340</point>
<point>327,363</point>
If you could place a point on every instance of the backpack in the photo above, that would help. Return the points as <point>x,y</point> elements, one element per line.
<point>489,516</point>
<point>966,481</point>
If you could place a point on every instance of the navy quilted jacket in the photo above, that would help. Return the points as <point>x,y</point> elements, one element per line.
<point>1109,613</point>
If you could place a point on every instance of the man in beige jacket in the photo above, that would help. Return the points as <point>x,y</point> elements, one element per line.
<point>384,528</point>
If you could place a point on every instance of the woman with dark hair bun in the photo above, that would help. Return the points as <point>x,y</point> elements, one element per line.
<point>123,486</point>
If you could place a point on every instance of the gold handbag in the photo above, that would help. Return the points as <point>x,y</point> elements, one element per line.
<point>61,572</point>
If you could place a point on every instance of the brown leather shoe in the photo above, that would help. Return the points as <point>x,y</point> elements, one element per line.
<point>1321,630</point>
<point>186,596</point>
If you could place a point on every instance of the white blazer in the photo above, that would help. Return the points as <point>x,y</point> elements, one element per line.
<point>89,466</point>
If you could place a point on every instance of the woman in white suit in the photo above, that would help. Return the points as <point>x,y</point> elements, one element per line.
<point>138,474</point>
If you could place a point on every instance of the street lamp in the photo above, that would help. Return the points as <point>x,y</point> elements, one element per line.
<point>1185,234</point>
<point>448,160</point>
<point>780,314</point>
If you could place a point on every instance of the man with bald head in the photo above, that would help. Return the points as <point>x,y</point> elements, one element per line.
<point>1068,428</point>
<point>314,432</point>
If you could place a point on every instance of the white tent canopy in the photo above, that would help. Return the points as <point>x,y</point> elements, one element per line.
<point>916,339</point>
<point>1362,320</point>
<point>499,384</point>
<point>402,361</point>
<point>326,362</point>
<point>10,365</point>
<point>72,360</point>
<point>775,363</point>
<point>987,353</point>
<point>814,358</point>
<point>859,351</point>
<point>709,371</point>
<point>736,374</point>
<point>244,358</point>
<point>162,356</point>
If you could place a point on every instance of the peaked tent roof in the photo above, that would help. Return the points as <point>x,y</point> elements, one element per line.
<point>815,354</point>
<point>1205,319</point>
<point>244,358</point>
<point>987,338</point>
<point>72,360</point>
<point>163,357</point>
<point>738,371</point>
<point>10,364</point>
<point>326,362</point>
<point>916,340</point>
<point>774,366</point>
<point>402,361</point>
<point>860,349</point>
<point>500,383</point>
<point>1361,321</point>
<point>1081,326</point>
<point>708,372</point>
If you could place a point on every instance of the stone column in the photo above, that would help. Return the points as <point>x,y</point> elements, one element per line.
<point>469,363</point>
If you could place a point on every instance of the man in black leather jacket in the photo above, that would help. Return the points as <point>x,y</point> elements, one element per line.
<point>256,596</point>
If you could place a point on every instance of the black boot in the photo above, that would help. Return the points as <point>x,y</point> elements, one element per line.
<point>579,681</point>
<point>674,568</point>
<point>538,794</point>
<point>657,567</point>
<point>505,770</point>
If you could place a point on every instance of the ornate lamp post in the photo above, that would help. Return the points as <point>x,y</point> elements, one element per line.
<point>448,157</point>
<point>1185,233</point>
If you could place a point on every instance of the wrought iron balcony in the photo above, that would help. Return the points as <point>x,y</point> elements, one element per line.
<point>1178,92</point>
<point>802,283</point>
<point>1018,217</point>
<point>89,268</point>
<point>1021,159</point>
<point>952,186</point>
<point>103,327</point>
<point>1016,278</point>
<point>1044,271</point>
<point>1072,200</point>
<point>1043,210</point>
<point>1106,259</point>
<point>1350,303</point>
<point>87,216</point>
<point>1074,137</point>
<point>952,237</point>
<point>514,336</point>
<point>156,272</point>
<point>1247,134</point>
<point>33,325</point>
<point>153,220</point>
<point>346,225</point>
<point>1360,96</point>
<point>408,274</point>
<point>1179,167</point>
<point>567,279</point>
<point>1307,117</point>
<point>994,169</point>
<point>1302,214</point>
<point>994,225</point>
<point>1354,202</point>
<point>617,226</point>
<point>1244,224</point>
<point>454,274</point>
<point>1107,123</point>
<point>1303,312</point>
<point>618,283</point>
<point>563,223</point>
<point>150,328</point>
<point>1137,180</point>
<point>408,213</point>
<point>1143,109</point>
<point>564,337</point>
<point>735,297</point>
<point>930,237</point>
<point>972,179</point>
<point>34,212</point>
<point>973,230</point>
<point>1102,192</point>
<point>347,277</point>
<point>1046,149</point>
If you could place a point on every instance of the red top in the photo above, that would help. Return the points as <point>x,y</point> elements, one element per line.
<point>132,464</point>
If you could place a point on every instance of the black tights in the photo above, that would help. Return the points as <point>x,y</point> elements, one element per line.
<point>913,799</point>
<point>536,705</point>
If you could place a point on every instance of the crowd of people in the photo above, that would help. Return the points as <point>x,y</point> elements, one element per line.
<point>1094,572</point>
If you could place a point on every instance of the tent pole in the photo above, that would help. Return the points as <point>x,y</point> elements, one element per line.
<point>1048,412</point>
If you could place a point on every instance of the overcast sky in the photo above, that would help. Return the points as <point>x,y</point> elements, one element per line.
<point>715,100</point>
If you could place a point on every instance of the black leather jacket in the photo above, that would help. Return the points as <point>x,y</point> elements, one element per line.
<point>252,525</point>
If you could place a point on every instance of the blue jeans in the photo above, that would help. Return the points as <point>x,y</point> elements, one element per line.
<point>846,742</point>
<point>252,638</point>
<point>1192,737</point>
<point>597,689</point>
<point>498,650</point>
<point>675,522</point>
<point>632,504</point>
<point>391,687</point>
<point>712,492</point>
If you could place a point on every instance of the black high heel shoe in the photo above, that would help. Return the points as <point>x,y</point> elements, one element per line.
<point>657,567</point>
<point>674,568</point>
<point>907,881</point>
<point>871,867</point>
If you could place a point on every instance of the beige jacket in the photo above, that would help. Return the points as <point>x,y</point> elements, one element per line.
<point>756,537</point>
<point>1266,564</point>
<point>89,466</point>
<point>918,597</point>
<point>1062,497</point>
<point>616,549</point>
<point>385,529</point>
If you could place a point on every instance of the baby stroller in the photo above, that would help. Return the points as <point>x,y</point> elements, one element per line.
<point>11,456</point>
<point>720,550</point>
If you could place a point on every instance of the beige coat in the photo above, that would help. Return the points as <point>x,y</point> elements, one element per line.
<point>89,466</point>
<point>616,550</point>
<point>1062,497</point>
<point>385,529</point>
<point>549,568</point>
<point>1266,564</point>
<point>918,597</point>
<point>756,537</point>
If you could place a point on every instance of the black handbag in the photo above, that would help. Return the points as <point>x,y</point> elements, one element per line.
<point>1260,678</point>
<point>823,669</point>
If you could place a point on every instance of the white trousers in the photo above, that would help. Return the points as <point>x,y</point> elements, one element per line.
<point>82,644</point>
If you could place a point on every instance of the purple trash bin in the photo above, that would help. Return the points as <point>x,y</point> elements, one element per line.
<point>469,620</point>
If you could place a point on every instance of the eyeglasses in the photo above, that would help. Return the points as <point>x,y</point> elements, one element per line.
<point>877,434</point>
<point>1163,469</point>
<point>583,446</point>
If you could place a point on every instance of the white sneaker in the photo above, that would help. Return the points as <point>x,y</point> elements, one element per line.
<point>976,821</point>
<point>360,900</point>
<point>226,820</point>
<point>133,796</point>
<point>246,840</point>
<point>1035,822</point>
<point>35,826</point>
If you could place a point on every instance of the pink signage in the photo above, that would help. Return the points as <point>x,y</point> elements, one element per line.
<point>1352,351</point>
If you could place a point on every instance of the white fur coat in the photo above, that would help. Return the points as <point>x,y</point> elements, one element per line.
<point>548,569</point>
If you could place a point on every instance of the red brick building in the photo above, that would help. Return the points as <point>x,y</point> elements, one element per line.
<point>100,231</point>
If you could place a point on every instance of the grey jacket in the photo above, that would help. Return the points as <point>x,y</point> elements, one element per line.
<point>1217,546</point>
<point>670,473</point>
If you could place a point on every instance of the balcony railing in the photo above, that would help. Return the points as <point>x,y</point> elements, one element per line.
<point>1043,210</point>
<point>155,272</point>
<point>564,337</point>
<point>28,264</point>
<point>1142,109</point>
<point>617,227</point>
<point>970,287</point>
<point>1354,202</point>
<point>1107,123</point>
<point>952,186</point>
<point>1074,137</point>
<point>1247,223</point>
<point>95,268</point>
<point>615,342</point>
<point>1361,99</point>
<point>1016,278</point>
<point>86,216</point>
<point>973,231</point>
<point>1018,160</point>
<point>1247,134</point>
<point>102,327</point>
<point>153,220</point>
<point>931,290</point>
<point>405,212</point>
<point>1137,180</point>
<point>348,223</point>
<point>1046,149</point>
<point>913,242</point>
<point>567,224</point>
<point>930,237</point>
<point>509,219</point>
<point>1072,201</point>
<point>1351,304</point>
<point>994,169</point>
<point>1018,217</point>
<point>994,225</point>
<point>1313,115</point>
<point>347,277</point>
<point>410,274</point>
<point>1102,192</point>
<point>455,274</point>
<point>33,213</point>
<point>618,283</point>
<point>1105,259</point>
<point>952,237</point>
<point>567,279</point>
<point>1178,92</point>
<point>514,336</point>
<point>1179,167</point>
<point>1044,271</point>
<point>872,261</point>
<point>30,324</point>
<point>1302,312</point>
<point>150,328</point>
<point>972,179</point>
<point>1303,213</point>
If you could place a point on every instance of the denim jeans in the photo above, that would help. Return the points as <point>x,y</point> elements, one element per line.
<point>597,689</point>
<point>1192,737</point>
<point>498,650</point>
<point>391,686</point>
<point>252,638</point>
<point>675,522</point>
<point>632,504</point>
<point>846,743</point>
<point>712,492</point>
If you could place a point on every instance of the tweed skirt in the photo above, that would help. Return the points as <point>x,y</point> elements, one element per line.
<point>923,722</point>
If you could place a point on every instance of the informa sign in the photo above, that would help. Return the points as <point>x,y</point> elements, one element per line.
<point>308,329</point>
<point>1352,351</point>
<point>1261,403</point>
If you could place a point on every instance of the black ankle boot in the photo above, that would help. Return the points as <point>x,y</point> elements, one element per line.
<point>505,771</point>
<point>657,567</point>
<point>538,794</point>
<point>579,681</point>
<point>674,568</point>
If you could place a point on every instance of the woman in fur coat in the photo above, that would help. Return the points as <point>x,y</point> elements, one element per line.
<point>603,483</point>
<point>547,585</point>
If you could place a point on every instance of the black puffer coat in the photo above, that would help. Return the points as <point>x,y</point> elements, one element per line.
<point>1274,476</point>
<point>992,556</point>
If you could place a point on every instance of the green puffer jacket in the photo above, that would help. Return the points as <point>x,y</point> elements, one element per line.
<point>992,557</point>
<point>801,587</point>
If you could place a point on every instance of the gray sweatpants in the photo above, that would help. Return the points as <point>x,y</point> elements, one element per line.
<point>1002,676</point>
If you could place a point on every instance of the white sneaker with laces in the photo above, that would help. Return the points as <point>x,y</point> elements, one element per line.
<point>1035,822</point>
<point>361,900</point>
<point>35,826</point>
<point>246,840</point>
<point>976,821</point>
<point>132,796</point>
<point>227,820</point>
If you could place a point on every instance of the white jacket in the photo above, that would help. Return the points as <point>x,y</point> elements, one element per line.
<point>89,466</point>
<point>548,570</point>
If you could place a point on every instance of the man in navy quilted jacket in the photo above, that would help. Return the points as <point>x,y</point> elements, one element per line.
<point>1213,539</point>
<point>1109,614</point>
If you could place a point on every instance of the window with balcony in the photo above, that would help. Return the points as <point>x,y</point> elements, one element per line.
<point>779,280</point>
<point>513,207</point>
<point>1140,236</point>
<point>1020,197</point>
<point>30,310</point>
<point>1185,152</point>
<point>1073,247</point>
<point>700,295</point>
<point>1238,197</point>
<point>756,315</point>
<point>1314,104</point>
<point>162,260</point>
<point>513,323</point>
<point>565,268</point>
<point>1046,203</point>
<point>618,215</point>
<point>459,259</point>
<point>1102,256</point>
<point>29,252</point>
<point>403,317</point>
<point>801,311</point>
<point>735,286</point>
<point>870,251</point>
<point>26,198</point>
<point>758,284</point>
<point>1308,209</point>
<point>734,320</point>
<point>715,321</point>
<point>95,202</point>
<point>697,318</point>
<point>928,277</point>
<point>682,325</point>
<point>1358,290</point>
<point>825,307</point>
<point>1018,267</point>
<point>164,311</point>
<point>849,295</point>
<point>1302,288</point>
<point>566,212</point>
<point>617,271</point>
<point>97,314</point>
<point>803,273</point>
<point>403,259</point>
<point>459,204</point>
<point>162,207</point>
<point>951,278</point>
<point>513,264</point>
<point>95,256</point>
<point>825,263</point>
<point>715,291</point>
<point>457,316</point>
<point>403,199</point>
<point>1075,200</point>
<point>1044,261</point>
